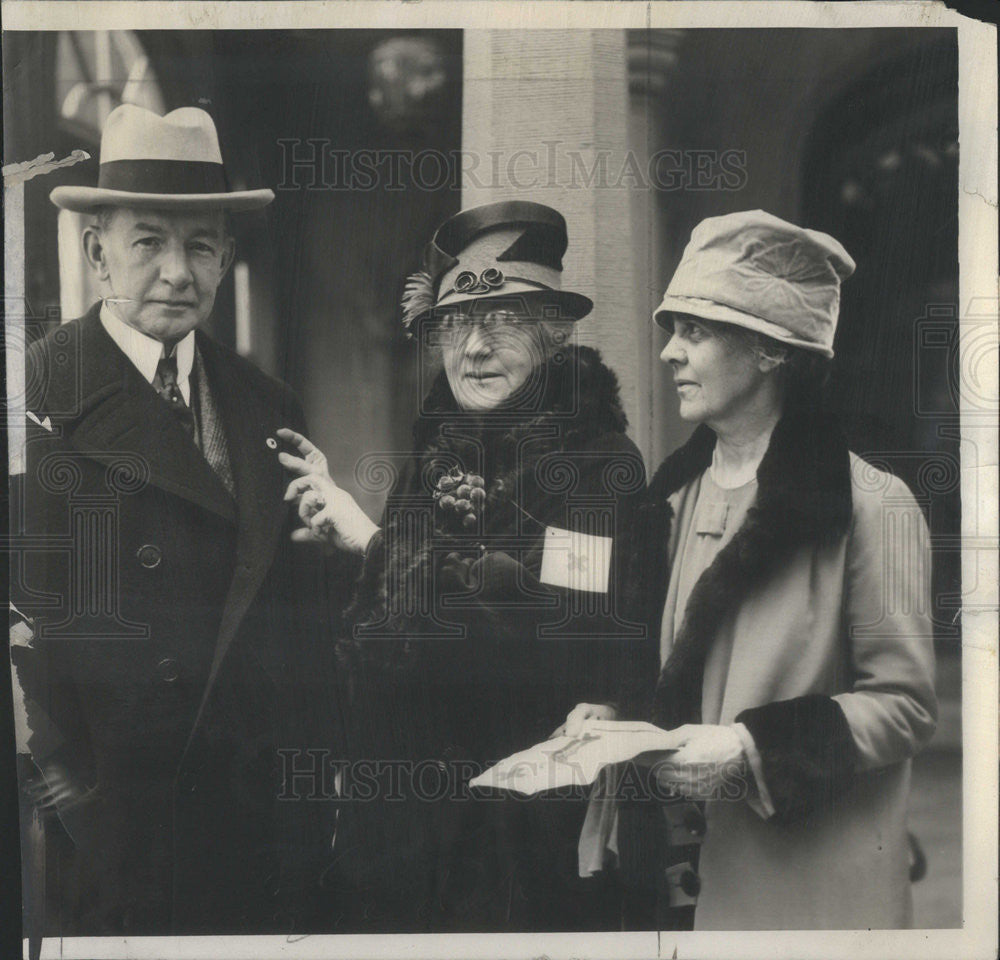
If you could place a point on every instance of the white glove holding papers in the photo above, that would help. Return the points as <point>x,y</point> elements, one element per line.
<point>575,761</point>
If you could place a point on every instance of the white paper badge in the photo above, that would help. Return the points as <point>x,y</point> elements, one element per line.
<point>576,560</point>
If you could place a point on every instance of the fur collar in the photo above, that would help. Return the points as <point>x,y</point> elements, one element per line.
<point>804,498</point>
<point>579,405</point>
<point>577,390</point>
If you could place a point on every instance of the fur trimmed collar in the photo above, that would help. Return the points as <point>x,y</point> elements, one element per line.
<point>804,498</point>
<point>577,405</point>
<point>577,401</point>
<point>575,388</point>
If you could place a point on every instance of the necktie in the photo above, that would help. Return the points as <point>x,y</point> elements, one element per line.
<point>165,383</point>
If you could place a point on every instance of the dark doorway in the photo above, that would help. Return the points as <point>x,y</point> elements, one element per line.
<point>881,174</point>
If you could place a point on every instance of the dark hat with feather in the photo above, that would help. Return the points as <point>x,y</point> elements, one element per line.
<point>509,251</point>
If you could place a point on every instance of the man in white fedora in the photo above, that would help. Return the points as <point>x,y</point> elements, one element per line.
<point>168,663</point>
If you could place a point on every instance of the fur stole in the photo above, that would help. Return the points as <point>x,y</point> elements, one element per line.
<point>575,404</point>
<point>804,498</point>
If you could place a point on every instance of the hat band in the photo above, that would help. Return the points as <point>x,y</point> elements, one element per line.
<point>488,282</point>
<point>163,176</point>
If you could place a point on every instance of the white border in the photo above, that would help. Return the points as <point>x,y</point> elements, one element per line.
<point>979,295</point>
<point>467,14</point>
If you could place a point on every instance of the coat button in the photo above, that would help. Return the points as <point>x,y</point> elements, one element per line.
<point>690,883</point>
<point>694,821</point>
<point>149,555</point>
<point>168,669</point>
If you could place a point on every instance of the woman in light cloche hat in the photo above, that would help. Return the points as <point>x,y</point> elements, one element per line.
<point>784,582</point>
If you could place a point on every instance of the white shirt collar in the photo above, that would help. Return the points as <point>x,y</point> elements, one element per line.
<point>145,352</point>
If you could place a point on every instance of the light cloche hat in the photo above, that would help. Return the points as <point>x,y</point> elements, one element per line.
<point>170,162</point>
<point>757,271</point>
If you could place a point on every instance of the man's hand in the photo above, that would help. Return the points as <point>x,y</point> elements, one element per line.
<point>54,790</point>
<point>581,713</point>
<point>331,515</point>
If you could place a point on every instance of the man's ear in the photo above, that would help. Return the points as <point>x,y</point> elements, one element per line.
<point>228,255</point>
<point>93,251</point>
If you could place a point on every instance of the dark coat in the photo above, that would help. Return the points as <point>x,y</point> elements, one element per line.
<point>174,651</point>
<point>460,656</point>
<point>824,593</point>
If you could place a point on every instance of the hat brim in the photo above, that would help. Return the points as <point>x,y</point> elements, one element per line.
<point>86,199</point>
<point>720,312</point>
<point>561,304</point>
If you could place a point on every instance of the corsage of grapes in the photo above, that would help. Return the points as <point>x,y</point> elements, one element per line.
<point>460,498</point>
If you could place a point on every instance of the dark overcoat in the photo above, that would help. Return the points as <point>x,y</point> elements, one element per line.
<point>175,648</point>
<point>461,655</point>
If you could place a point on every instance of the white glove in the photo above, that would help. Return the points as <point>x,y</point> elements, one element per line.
<point>581,712</point>
<point>706,761</point>
<point>331,515</point>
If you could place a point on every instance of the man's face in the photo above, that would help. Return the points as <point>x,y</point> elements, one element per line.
<point>161,268</point>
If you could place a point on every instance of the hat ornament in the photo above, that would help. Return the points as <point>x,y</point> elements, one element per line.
<point>528,238</point>
<point>417,298</point>
<point>489,279</point>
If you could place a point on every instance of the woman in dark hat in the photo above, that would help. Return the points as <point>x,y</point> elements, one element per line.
<point>471,629</point>
<point>786,580</point>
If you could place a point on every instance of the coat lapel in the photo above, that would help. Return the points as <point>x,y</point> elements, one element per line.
<point>260,485</point>
<point>804,498</point>
<point>121,414</point>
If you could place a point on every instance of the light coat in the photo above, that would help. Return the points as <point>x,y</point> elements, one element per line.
<point>812,628</point>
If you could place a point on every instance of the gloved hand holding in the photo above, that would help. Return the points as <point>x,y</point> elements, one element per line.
<point>703,761</point>
<point>331,515</point>
<point>581,713</point>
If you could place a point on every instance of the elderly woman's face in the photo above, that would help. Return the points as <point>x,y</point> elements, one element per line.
<point>490,356</point>
<point>714,378</point>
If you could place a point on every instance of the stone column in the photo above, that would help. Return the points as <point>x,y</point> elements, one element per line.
<point>546,117</point>
<point>653,57</point>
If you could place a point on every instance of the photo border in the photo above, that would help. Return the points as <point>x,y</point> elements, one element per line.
<point>978,297</point>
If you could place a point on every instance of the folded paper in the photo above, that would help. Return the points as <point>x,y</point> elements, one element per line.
<point>575,761</point>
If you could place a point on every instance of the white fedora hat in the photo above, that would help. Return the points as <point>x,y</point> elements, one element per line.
<point>163,162</point>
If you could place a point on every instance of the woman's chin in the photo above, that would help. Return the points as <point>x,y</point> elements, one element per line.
<point>690,413</point>
<point>485,396</point>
